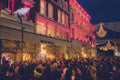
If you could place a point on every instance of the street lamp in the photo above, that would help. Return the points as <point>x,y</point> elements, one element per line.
<point>22,35</point>
<point>20,13</point>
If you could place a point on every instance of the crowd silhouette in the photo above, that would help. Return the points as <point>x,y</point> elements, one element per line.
<point>97,68</point>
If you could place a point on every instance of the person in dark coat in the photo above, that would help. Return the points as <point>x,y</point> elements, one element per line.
<point>10,75</point>
<point>38,75</point>
<point>55,72</point>
<point>79,74</point>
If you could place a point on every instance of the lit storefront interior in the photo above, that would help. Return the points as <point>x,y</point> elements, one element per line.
<point>11,51</point>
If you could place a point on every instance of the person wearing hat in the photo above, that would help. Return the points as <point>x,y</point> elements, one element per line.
<point>38,75</point>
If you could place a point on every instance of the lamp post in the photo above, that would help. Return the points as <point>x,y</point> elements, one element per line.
<point>20,13</point>
<point>22,35</point>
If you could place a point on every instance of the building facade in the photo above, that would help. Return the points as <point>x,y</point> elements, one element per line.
<point>50,29</point>
<point>81,30</point>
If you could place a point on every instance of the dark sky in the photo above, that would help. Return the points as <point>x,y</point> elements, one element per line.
<point>102,10</point>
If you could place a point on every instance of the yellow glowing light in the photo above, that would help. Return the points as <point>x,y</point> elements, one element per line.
<point>26,57</point>
<point>84,55</point>
<point>66,56</point>
<point>49,56</point>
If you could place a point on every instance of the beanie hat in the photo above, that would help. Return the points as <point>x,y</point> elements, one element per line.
<point>38,72</point>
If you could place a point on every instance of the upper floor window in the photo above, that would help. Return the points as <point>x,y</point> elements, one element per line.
<point>64,35</point>
<point>42,7</point>
<point>58,33</point>
<point>71,16</point>
<point>63,4</point>
<point>63,18</point>
<point>41,28</point>
<point>11,6</point>
<point>59,16</point>
<point>66,5</point>
<point>60,2</point>
<point>66,20</point>
<point>50,11</point>
<point>72,5</point>
<point>76,18</point>
<point>50,30</point>
<point>77,9</point>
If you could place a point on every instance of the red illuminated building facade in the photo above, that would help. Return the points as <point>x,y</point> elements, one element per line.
<point>58,23</point>
<point>80,27</point>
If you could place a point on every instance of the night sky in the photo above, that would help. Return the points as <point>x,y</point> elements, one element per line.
<point>102,10</point>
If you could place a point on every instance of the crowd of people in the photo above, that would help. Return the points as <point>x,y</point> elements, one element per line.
<point>98,68</point>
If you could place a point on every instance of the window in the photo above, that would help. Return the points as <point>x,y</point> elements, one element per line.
<point>62,34</point>
<point>50,31</point>
<point>60,2</point>
<point>50,11</point>
<point>63,18</point>
<point>59,16</point>
<point>11,6</point>
<point>66,20</point>
<point>77,18</point>
<point>63,4</point>
<point>77,9</point>
<point>72,5</point>
<point>41,28</point>
<point>67,36</point>
<point>58,33</point>
<point>71,15</point>
<point>42,7</point>
<point>66,5</point>
<point>77,32</point>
